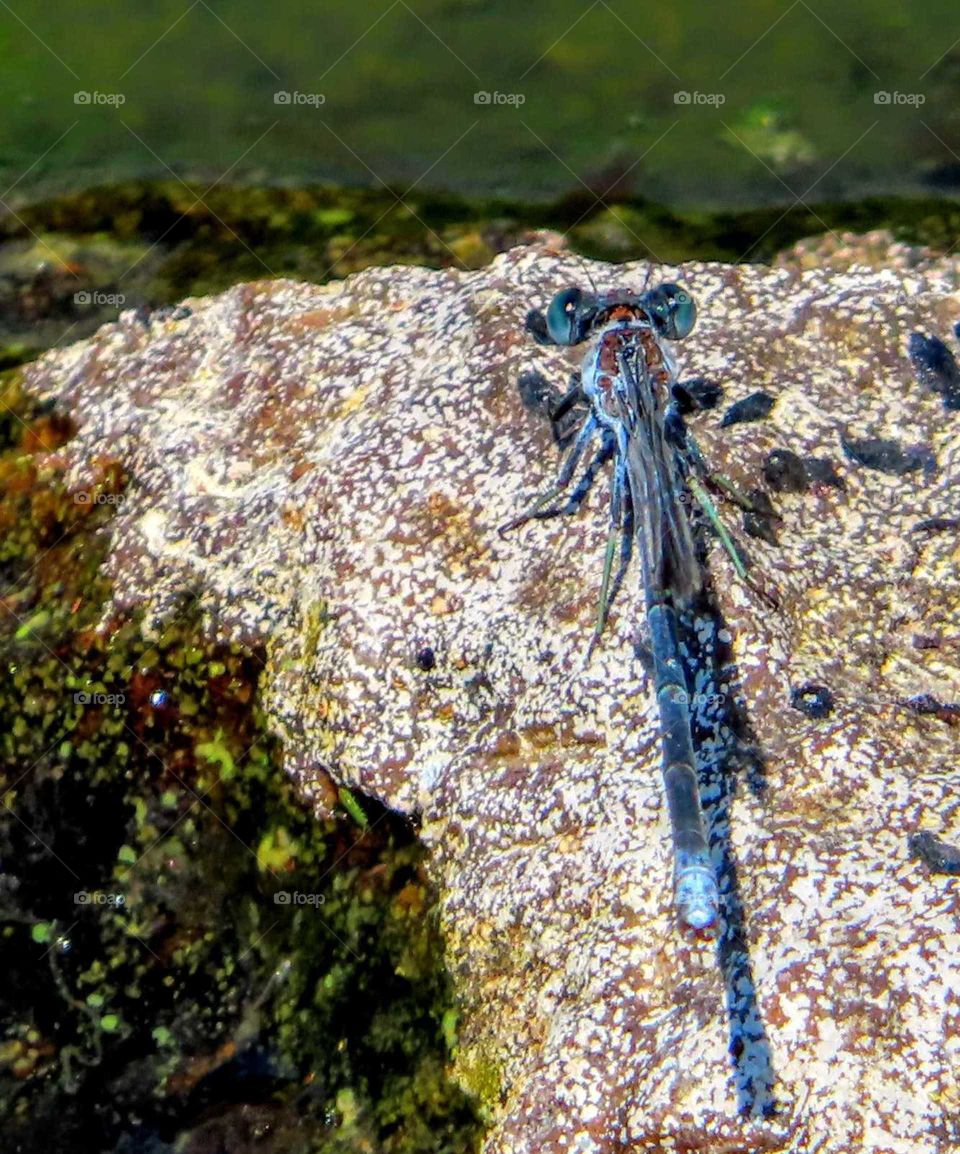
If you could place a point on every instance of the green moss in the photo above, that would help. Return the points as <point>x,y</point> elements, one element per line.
<point>215,751</point>
<point>482,1078</point>
<point>334,217</point>
<point>180,929</point>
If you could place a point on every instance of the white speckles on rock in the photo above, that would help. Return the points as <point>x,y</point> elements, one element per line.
<point>327,468</point>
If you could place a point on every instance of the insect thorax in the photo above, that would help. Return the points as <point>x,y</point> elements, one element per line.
<point>634,341</point>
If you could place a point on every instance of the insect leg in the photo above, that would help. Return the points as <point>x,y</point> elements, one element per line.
<point>706,503</point>
<point>621,525</point>
<point>698,470</point>
<point>540,396</point>
<point>695,460</point>
<point>695,469</point>
<point>537,509</point>
<point>574,396</point>
<point>583,487</point>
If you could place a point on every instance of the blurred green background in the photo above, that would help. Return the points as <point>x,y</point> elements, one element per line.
<point>599,83</point>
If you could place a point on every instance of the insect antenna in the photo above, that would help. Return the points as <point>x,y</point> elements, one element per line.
<point>586,273</point>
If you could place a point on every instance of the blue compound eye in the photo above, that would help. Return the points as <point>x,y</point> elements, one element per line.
<point>569,316</point>
<point>675,310</point>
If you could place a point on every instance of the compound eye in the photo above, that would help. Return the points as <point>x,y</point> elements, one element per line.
<point>566,320</point>
<point>676,311</point>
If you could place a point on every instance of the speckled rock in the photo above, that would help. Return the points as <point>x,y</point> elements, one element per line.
<point>325,469</point>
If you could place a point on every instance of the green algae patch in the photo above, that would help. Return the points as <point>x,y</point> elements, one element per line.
<point>482,1078</point>
<point>184,943</point>
<point>215,751</point>
<point>277,851</point>
<point>41,933</point>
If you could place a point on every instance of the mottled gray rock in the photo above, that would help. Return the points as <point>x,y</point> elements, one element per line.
<point>326,469</point>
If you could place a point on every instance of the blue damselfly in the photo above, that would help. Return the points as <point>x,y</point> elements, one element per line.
<point>634,418</point>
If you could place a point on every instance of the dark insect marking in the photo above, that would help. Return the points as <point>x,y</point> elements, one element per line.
<point>752,408</point>
<point>784,471</point>
<point>936,368</point>
<point>937,855</point>
<point>535,323</point>
<point>697,393</point>
<point>760,520</point>
<point>426,659</point>
<point>937,525</point>
<point>815,701</point>
<point>823,473</point>
<point>536,393</point>
<point>887,456</point>
<point>926,705</point>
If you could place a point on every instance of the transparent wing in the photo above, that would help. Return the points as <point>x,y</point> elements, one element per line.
<point>661,525</point>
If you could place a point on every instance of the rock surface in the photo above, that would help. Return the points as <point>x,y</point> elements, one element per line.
<point>325,469</point>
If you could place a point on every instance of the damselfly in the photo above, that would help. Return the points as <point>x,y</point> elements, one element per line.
<point>634,418</point>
